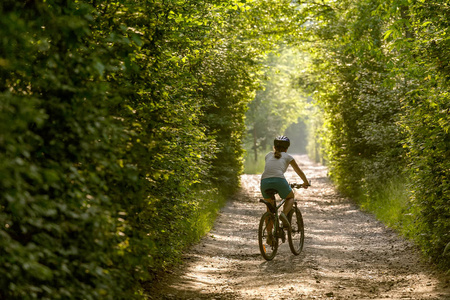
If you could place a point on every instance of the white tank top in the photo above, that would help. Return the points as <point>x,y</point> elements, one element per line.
<point>276,167</point>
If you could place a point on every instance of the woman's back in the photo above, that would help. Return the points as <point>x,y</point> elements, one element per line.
<point>276,167</point>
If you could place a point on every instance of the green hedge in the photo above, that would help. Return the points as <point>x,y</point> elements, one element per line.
<point>381,78</point>
<point>59,162</point>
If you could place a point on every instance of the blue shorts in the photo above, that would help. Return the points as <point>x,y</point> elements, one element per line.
<point>279,184</point>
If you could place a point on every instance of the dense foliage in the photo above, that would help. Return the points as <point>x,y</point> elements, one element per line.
<point>380,74</point>
<point>120,136</point>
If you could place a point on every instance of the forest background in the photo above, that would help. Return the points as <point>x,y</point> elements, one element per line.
<point>124,125</point>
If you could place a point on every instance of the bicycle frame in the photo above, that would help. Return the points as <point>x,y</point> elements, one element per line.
<point>273,208</point>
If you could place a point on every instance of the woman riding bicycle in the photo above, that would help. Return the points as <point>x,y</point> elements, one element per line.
<point>276,165</point>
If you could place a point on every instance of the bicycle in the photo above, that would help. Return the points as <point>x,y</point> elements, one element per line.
<point>270,221</point>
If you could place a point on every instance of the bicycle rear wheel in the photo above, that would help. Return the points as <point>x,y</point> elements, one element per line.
<point>296,235</point>
<point>267,251</point>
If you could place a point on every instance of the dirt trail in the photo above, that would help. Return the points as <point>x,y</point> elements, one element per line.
<point>348,254</point>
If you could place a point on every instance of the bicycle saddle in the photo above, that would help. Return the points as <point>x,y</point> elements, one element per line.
<point>271,192</point>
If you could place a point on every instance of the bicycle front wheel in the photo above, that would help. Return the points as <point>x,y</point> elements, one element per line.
<point>296,235</point>
<point>267,237</point>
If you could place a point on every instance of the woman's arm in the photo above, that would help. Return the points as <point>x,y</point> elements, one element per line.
<point>300,173</point>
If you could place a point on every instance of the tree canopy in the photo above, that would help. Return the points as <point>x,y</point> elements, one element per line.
<point>278,104</point>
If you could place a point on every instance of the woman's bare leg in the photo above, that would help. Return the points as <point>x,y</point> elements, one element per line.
<point>289,203</point>
<point>270,225</point>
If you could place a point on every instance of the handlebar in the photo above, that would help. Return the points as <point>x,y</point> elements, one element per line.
<point>299,185</point>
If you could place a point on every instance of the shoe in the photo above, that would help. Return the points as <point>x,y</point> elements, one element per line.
<point>285,221</point>
<point>270,240</point>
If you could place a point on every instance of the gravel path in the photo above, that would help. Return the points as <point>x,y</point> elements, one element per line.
<point>348,254</point>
